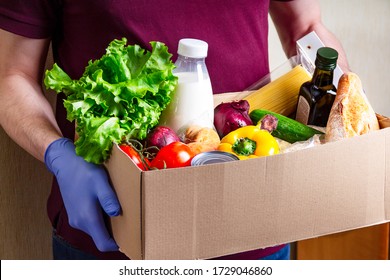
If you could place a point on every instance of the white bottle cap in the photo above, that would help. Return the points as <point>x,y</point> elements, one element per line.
<point>192,48</point>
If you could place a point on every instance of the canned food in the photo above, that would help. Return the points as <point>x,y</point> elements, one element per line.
<point>212,157</point>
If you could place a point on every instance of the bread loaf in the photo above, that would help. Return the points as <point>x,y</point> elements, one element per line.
<point>351,113</point>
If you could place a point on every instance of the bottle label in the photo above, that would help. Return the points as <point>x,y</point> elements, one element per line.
<point>303,110</point>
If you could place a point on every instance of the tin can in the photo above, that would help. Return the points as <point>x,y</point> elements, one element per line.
<point>212,157</point>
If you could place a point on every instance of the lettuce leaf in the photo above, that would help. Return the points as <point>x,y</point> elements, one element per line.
<point>119,96</point>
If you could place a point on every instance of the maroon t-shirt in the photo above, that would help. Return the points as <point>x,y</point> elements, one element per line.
<point>236,31</point>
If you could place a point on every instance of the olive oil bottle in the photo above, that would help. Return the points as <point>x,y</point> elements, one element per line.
<point>316,97</point>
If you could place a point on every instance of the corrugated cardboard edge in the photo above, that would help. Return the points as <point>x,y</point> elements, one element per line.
<point>384,122</point>
<point>387,182</point>
<point>126,181</point>
<point>230,96</point>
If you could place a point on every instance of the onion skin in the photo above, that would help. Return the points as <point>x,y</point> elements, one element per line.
<point>231,116</point>
<point>161,136</point>
<point>269,123</point>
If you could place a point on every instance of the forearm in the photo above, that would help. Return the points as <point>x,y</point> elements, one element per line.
<point>26,115</point>
<point>297,18</point>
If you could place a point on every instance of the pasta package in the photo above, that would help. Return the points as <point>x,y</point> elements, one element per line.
<point>281,95</point>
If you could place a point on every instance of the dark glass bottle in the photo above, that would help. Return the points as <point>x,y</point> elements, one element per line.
<point>316,97</point>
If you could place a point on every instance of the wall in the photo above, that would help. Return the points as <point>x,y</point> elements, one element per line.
<point>25,231</point>
<point>24,185</point>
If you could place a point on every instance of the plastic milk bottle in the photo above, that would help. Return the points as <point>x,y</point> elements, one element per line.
<point>192,101</point>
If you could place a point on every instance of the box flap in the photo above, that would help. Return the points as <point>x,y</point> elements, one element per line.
<point>126,181</point>
<point>213,210</point>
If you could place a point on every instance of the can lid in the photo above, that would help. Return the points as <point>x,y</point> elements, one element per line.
<point>326,58</point>
<point>213,157</point>
<point>192,48</point>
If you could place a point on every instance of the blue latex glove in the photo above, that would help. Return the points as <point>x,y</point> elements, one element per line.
<point>85,191</point>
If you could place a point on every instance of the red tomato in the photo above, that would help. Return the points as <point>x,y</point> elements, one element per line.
<point>135,156</point>
<point>175,154</point>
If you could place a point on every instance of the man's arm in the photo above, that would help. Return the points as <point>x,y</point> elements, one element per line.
<point>28,119</point>
<point>296,18</point>
<point>25,113</point>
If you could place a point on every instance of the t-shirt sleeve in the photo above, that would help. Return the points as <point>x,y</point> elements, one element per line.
<point>29,18</point>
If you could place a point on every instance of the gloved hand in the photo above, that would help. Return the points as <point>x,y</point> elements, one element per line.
<point>85,191</point>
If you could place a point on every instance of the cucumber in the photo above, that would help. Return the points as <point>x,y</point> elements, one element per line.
<point>288,129</point>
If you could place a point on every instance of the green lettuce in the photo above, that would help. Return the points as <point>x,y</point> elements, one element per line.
<point>119,96</point>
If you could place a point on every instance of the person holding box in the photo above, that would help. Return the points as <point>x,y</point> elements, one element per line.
<point>78,31</point>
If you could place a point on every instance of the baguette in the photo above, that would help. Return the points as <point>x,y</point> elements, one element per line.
<point>351,113</point>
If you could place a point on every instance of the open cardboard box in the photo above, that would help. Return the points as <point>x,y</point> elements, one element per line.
<point>213,210</point>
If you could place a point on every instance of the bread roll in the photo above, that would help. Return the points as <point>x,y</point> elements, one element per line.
<point>384,122</point>
<point>351,113</point>
<point>201,139</point>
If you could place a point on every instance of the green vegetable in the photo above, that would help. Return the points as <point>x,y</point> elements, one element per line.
<point>119,96</point>
<point>288,129</point>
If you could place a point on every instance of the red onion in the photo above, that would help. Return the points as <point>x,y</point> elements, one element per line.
<point>161,136</point>
<point>230,116</point>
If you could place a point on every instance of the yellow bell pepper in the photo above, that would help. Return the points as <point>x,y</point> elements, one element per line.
<point>249,142</point>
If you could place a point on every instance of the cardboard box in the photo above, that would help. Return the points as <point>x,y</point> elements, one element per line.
<point>213,210</point>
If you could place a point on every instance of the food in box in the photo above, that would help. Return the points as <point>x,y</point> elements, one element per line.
<point>208,211</point>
